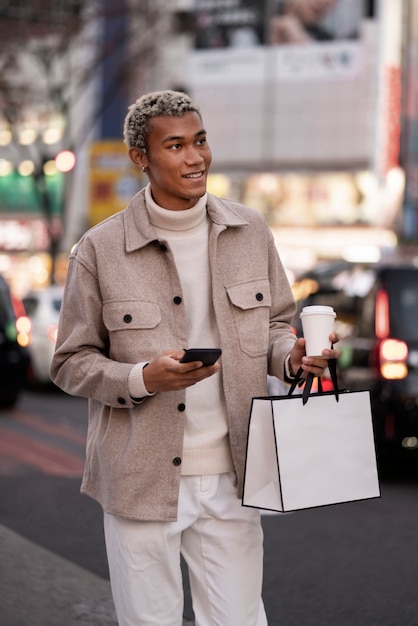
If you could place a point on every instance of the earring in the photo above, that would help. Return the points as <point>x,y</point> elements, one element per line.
<point>143,169</point>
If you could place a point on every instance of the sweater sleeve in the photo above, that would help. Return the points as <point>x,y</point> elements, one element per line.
<point>136,385</point>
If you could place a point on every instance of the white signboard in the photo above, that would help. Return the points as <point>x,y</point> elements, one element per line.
<point>227,66</point>
<point>276,64</point>
<point>324,61</point>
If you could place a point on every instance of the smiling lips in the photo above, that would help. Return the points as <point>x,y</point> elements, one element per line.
<point>195,175</point>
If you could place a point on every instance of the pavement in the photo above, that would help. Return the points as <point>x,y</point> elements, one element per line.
<point>40,588</point>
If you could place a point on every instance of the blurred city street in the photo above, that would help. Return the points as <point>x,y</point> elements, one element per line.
<point>309,114</point>
<point>350,564</point>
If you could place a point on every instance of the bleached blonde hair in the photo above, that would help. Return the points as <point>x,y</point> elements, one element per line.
<point>155,104</point>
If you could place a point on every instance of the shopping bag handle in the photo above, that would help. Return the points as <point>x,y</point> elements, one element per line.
<point>307,382</point>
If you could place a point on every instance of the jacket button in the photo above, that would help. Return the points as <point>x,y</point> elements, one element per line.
<point>259,296</point>
<point>127,318</point>
<point>163,247</point>
<point>177,461</point>
<point>181,407</point>
<point>121,400</point>
<point>177,300</point>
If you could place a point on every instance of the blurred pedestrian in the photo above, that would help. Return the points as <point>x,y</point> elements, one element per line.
<point>166,441</point>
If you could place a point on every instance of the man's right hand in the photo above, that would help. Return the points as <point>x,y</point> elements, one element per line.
<point>166,373</point>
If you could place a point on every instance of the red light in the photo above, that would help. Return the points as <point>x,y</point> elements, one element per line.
<point>65,161</point>
<point>18,307</point>
<point>326,384</point>
<point>382,315</point>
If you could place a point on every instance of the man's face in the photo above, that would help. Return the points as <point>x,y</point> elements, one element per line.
<point>177,160</point>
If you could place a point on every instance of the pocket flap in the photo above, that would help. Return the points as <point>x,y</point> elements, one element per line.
<point>130,315</point>
<point>250,294</point>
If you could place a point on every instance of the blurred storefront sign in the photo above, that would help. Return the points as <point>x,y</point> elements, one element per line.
<point>321,199</point>
<point>245,23</point>
<point>234,43</point>
<point>391,122</point>
<point>319,61</point>
<point>328,215</point>
<point>23,234</point>
<point>19,194</point>
<point>23,222</point>
<point>30,215</point>
<point>113,179</point>
<point>221,67</point>
<point>410,135</point>
<point>390,80</point>
<point>253,66</point>
<point>301,248</point>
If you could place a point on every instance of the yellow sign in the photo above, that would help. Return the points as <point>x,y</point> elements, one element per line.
<point>113,179</point>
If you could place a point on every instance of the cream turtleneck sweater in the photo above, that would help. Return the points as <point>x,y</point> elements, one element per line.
<point>206,445</point>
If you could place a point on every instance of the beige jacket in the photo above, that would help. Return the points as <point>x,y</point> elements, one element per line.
<point>123,305</point>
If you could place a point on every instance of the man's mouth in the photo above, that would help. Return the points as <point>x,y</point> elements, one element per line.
<point>195,175</point>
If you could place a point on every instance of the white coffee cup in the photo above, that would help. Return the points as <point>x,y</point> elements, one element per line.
<point>317,324</point>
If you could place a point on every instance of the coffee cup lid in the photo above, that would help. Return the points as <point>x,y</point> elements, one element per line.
<point>314,309</point>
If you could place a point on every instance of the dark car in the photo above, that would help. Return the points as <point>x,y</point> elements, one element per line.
<point>377,321</point>
<point>14,358</point>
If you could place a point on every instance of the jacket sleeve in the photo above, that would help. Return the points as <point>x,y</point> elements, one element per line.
<point>283,310</point>
<point>81,365</point>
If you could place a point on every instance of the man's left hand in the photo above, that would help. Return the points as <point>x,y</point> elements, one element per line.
<point>313,364</point>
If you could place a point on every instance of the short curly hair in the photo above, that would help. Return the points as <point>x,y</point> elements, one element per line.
<point>155,104</point>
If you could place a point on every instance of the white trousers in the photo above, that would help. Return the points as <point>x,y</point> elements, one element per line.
<point>222,544</point>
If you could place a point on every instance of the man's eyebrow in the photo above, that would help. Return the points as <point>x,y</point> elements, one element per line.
<point>181,137</point>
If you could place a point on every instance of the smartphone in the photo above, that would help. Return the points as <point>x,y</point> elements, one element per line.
<point>208,356</point>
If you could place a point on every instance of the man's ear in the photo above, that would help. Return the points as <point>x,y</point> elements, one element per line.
<point>138,157</point>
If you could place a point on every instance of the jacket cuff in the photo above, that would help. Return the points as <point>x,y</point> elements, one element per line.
<point>289,374</point>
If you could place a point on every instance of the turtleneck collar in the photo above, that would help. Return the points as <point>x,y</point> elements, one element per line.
<point>175,220</point>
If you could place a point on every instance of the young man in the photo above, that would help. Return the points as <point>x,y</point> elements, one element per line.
<point>166,440</point>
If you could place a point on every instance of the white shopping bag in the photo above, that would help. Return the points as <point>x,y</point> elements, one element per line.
<point>302,455</point>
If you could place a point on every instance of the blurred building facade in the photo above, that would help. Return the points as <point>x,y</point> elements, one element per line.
<point>307,129</point>
<point>47,98</point>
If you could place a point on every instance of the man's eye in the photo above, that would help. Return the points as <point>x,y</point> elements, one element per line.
<point>175,146</point>
<point>201,142</point>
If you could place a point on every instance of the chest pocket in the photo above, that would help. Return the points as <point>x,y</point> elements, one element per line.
<point>131,315</point>
<point>140,317</point>
<point>251,302</point>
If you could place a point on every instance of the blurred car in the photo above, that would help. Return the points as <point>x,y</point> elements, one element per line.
<point>377,321</point>
<point>43,308</point>
<point>14,357</point>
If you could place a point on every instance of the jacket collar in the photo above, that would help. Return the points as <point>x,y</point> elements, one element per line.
<point>139,232</point>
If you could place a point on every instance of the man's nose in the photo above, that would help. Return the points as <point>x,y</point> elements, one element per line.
<point>193,155</point>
